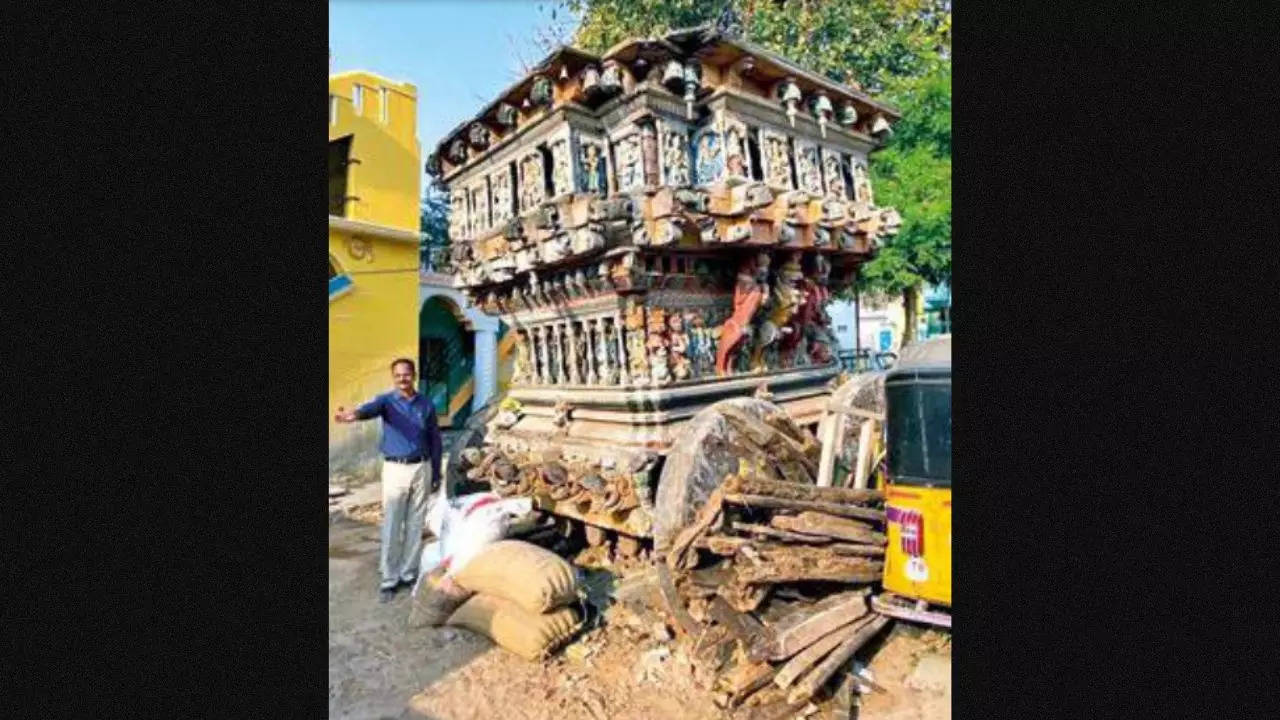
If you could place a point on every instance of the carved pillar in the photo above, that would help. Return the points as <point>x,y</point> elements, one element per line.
<point>557,355</point>
<point>543,365</point>
<point>575,372</point>
<point>624,376</point>
<point>589,330</point>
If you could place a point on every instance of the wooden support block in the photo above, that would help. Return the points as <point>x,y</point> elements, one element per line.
<point>838,657</point>
<point>765,501</point>
<point>827,525</point>
<point>806,626</point>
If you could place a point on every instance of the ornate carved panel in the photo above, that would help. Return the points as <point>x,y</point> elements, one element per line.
<point>808,168</point>
<point>592,168</point>
<point>630,167</point>
<point>531,179</point>
<point>776,155</point>
<point>500,183</point>
<point>708,152</point>
<point>675,156</point>
<point>833,175</point>
<point>862,183</point>
<point>561,175</point>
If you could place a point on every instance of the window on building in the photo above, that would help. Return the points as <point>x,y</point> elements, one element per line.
<point>333,109</point>
<point>357,98</point>
<point>339,161</point>
<point>383,99</point>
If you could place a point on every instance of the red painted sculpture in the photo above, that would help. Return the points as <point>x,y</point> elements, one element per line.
<point>748,295</point>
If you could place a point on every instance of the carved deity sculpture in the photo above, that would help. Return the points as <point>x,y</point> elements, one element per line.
<point>710,156</point>
<point>531,191</point>
<point>821,338</point>
<point>833,176</point>
<point>630,170</point>
<point>678,344</point>
<point>777,160</point>
<point>735,148</point>
<point>501,183</point>
<point>637,359</point>
<point>591,162</point>
<point>702,352</point>
<point>561,177</point>
<point>809,170</point>
<point>862,184</point>
<point>785,300</point>
<point>748,294</point>
<point>675,160</point>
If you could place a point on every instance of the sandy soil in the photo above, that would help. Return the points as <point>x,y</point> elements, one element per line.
<point>378,668</point>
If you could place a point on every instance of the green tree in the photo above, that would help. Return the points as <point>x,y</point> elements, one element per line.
<point>898,50</point>
<point>433,223</point>
<point>913,174</point>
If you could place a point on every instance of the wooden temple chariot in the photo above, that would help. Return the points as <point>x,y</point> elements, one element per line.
<point>662,227</point>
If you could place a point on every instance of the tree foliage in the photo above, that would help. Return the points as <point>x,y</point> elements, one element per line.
<point>899,50</point>
<point>433,222</point>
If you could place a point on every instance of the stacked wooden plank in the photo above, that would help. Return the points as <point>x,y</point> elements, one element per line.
<point>770,584</point>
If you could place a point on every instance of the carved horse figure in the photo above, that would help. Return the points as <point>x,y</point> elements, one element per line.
<point>748,295</point>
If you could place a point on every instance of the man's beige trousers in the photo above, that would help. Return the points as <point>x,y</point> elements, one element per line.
<point>404,505</point>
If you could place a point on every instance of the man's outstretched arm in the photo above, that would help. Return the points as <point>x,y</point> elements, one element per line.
<point>368,411</point>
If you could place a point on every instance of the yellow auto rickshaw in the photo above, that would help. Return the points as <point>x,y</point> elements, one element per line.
<point>917,474</point>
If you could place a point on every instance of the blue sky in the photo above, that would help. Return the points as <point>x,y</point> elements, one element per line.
<point>459,53</point>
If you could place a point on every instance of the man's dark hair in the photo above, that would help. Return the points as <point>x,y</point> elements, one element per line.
<point>404,361</point>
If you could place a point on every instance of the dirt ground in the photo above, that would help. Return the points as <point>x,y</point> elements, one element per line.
<point>378,668</point>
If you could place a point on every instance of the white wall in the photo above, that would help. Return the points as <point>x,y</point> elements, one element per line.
<point>871,320</point>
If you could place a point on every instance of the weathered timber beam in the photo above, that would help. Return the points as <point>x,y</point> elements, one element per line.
<point>765,501</point>
<point>780,569</point>
<point>838,657</point>
<point>807,658</point>
<point>730,546</point>
<point>827,525</point>
<point>794,491</point>
<point>767,531</point>
<point>806,626</point>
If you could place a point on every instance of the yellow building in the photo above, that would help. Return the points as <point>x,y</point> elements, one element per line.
<point>374,191</point>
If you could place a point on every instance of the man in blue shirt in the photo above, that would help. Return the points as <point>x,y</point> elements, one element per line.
<point>410,437</point>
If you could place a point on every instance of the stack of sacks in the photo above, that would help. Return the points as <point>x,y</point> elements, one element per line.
<point>524,600</point>
<point>463,527</point>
